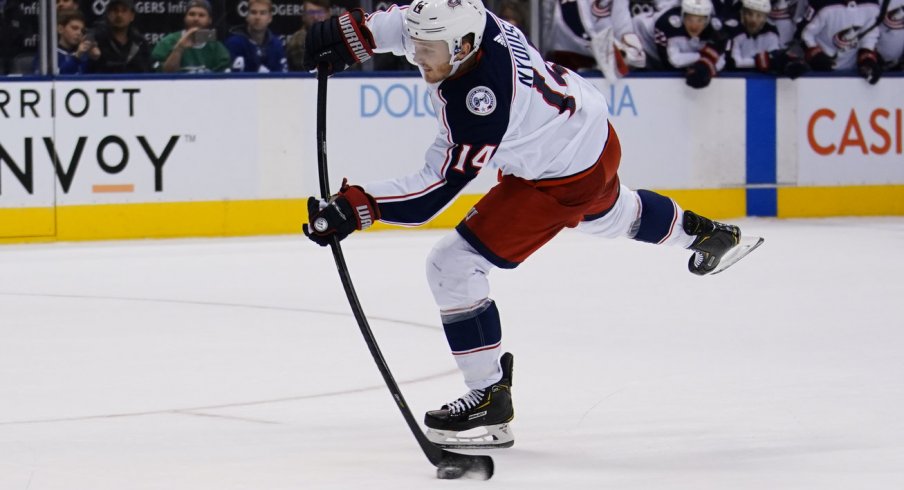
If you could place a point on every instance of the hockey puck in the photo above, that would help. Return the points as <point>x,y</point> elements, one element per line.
<point>474,467</point>
<point>449,471</point>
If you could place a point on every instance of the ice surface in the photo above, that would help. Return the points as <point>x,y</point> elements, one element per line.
<point>235,364</point>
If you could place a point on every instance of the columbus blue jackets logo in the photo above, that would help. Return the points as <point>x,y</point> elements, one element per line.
<point>601,8</point>
<point>783,9</point>
<point>846,39</point>
<point>481,101</point>
<point>895,18</point>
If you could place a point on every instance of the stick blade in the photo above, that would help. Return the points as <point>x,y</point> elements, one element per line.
<point>453,466</point>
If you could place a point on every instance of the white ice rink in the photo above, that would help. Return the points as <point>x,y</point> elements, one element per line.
<point>235,364</point>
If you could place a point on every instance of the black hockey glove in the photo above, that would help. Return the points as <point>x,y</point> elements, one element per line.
<point>868,65</point>
<point>771,61</point>
<point>711,52</point>
<point>795,68</point>
<point>779,62</point>
<point>349,210</point>
<point>340,41</point>
<point>819,60</point>
<point>699,74</point>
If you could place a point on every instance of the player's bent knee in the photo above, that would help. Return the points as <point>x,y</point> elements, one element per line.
<point>456,273</point>
<point>618,221</point>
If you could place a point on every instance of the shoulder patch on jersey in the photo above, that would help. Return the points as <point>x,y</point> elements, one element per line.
<point>675,20</point>
<point>481,101</point>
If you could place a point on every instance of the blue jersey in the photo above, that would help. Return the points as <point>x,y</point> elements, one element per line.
<point>67,63</point>
<point>248,56</point>
<point>511,112</point>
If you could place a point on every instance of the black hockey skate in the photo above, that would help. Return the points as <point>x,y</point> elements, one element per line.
<point>717,246</point>
<point>479,419</point>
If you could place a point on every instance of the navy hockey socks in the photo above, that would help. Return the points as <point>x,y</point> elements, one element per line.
<point>474,330</point>
<point>658,217</point>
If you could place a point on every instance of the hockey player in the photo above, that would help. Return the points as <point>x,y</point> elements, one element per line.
<point>891,35</point>
<point>786,15</point>
<point>832,37</point>
<point>644,14</point>
<point>688,40</point>
<point>546,130</point>
<point>588,32</point>
<point>755,43</point>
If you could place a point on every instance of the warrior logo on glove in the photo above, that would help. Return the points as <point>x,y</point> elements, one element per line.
<point>353,39</point>
<point>349,210</point>
<point>338,42</point>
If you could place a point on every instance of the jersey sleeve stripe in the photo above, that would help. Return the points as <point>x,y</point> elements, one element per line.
<point>420,209</point>
<point>432,186</point>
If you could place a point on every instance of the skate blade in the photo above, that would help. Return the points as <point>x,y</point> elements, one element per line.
<point>487,437</point>
<point>748,244</point>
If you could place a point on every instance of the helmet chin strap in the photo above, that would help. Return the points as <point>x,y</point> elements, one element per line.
<point>457,64</point>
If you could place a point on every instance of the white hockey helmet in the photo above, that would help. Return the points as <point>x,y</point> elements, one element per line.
<point>764,6</point>
<point>449,21</point>
<point>703,8</point>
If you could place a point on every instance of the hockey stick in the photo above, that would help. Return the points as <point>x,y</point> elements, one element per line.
<point>449,465</point>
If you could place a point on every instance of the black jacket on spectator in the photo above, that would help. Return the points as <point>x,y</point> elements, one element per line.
<point>132,57</point>
<point>11,35</point>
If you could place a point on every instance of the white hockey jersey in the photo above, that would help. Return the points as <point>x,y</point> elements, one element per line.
<point>785,16</point>
<point>745,47</point>
<point>891,33</point>
<point>834,26</point>
<point>677,49</point>
<point>575,21</point>
<point>512,112</point>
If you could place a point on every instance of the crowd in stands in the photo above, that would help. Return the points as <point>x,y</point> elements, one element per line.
<point>699,38</point>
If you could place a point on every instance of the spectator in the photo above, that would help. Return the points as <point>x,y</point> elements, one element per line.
<point>194,49</point>
<point>831,37</point>
<point>66,6</point>
<point>11,36</point>
<point>891,35</point>
<point>515,13</point>
<point>253,47</point>
<point>688,41</point>
<point>755,43</point>
<point>73,49</point>
<point>122,48</point>
<point>584,33</point>
<point>314,11</point>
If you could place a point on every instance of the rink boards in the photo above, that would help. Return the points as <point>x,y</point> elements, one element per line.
<point>84,159</point>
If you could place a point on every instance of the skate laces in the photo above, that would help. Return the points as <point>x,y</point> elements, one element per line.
<point>467,401</point>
